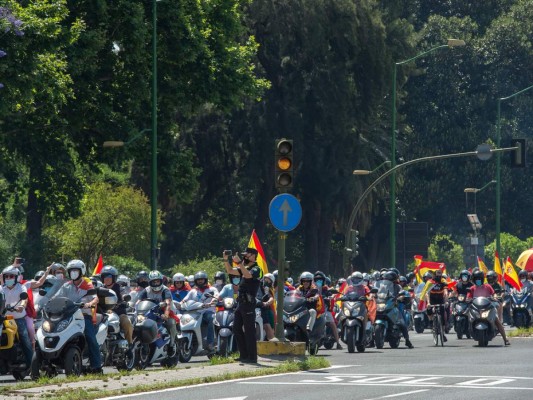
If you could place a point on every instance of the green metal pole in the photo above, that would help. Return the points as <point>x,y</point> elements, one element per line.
<point>153,171</point>
<point>498,162</point>
<point>392,234</point>
<point>280,331</point>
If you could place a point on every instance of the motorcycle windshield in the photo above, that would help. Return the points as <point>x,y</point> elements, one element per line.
<point>293,300</point>
<point>144,306</point>
<point>59,308</point>
<point>353,292</point>
<point>385,289</point>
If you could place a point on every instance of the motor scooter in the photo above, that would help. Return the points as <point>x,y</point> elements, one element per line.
<point>460,317</point>
<point>520,308</point>
<point>225,339</point>
<point>482,318</point>
<point>355,332</point>
<point>388,318</point>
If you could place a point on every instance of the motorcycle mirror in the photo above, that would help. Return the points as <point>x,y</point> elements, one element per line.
<point>91,292</point>
<point>126,297</point>
<point>23,296</point>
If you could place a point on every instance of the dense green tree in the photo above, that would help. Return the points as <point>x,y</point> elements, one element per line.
<point>443,249</point>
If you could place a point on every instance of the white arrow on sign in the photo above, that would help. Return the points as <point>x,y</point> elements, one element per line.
<point>285,209</point>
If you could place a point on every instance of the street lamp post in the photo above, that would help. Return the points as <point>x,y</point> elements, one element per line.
<point>476,191</point>
<point>153,170</point>
<point>449,44</point>
<point>498,163</point>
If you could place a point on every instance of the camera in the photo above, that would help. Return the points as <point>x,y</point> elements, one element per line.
<point>227,252</point>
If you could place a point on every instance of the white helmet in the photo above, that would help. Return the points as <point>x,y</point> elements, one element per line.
<point>123,280</point>
<point>308,276</point>
<point>76,264</point>
<point>178,277</point>
<point>153,279</point>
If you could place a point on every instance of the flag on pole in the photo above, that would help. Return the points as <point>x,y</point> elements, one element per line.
<point>254,243</point>
<point>427,288</point>
<point>498,267</point>
<point>481,265</point>
<point>418,261</point>
<point>510,275</point>
<point>99,265</point>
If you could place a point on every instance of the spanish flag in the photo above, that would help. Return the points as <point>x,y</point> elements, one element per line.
<point>510,275</point>
<point>421,267</point>
<point>498,267</point>
<point>99,265</point>
<point>254,243</point>
<point>418,261</point>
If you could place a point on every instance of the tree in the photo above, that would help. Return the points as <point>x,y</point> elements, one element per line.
<point>443,249</point>
<point>112,221</point>
<point>510,246</point>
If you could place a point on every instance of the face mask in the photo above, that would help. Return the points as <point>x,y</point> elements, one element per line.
<point>60,276</point>
<point>75,274</point>
<point>219,282</point>
<point>144,285</point>
<point>236,281</point>
<point>464,278</point>
<point>10,282</point>
<point>319,283</point>
<point>478,282</point>
<point>245,260</point>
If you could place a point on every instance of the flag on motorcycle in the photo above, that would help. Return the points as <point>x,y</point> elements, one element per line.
<point>254,243</point>
<point>510,275</point>
<point>498,267</point>
<point>99,265</point>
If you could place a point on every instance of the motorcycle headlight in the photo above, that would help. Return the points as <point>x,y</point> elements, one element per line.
<point>485,314</point>
<point>46,326</point>
<point>228,302</point>
<point>381,307</point>
<point>185,319</point>
<point>461,297</point>
<point>294,318</point>
<point>63,325</point>
<point>140,318</point>
<point>347,311</point>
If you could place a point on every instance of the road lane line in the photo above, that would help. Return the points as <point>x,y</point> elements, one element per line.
<point>399,394</point>
<point>486,382</point>
<point>402,384</point>
<point>431,375</point>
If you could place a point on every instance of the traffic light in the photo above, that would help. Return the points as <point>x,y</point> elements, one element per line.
<point>354,243</point>
<point>518,156</point>
<point>284,168</point>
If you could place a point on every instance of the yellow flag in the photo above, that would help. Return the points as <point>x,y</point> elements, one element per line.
<point>498,268</point>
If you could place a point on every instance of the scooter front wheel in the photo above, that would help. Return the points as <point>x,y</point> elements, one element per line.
<point>185,354</point>
<point>379,336</point>
<point>35,369</point>
<point>73,361</point>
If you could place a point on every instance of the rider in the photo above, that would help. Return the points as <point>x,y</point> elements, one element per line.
<point>231,289</point>
<point>464,283</point>
<point>492,280</point>
<point>265,300</point>
<point>180,287</point>
<point>320,282</point>
<point>142,283</point>
<point>109,276</point>
<point>438,294</point>
<point>308,290</point>
<point>481,289</point>
<point>392,276</point>
<point>527,286</point>
<point>11,290</point>
<point>124,283</point>
<point>200,293</point>
<point>76,290</point>
<point>157,293</point>
<point>220,280</point>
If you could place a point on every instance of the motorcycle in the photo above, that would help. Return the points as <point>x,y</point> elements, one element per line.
<point>482,318</point>
<point>354,331</point>
<point>193,330</point>
<point>460,317</point>
<point>520,308</point>
<point>388,318</point>
<point>419,310</point>
<point>12,358</point>
<point>116,352</point>
<point>224,316</point>
<point>151,339</point>
<point>60,341</point>
<point>295,319</point>
<point>328,340</point>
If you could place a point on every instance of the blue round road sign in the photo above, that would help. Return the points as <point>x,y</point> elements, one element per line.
<point>285,212</point>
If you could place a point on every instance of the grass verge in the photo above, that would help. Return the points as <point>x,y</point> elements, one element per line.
<point>521,332</point>
<point>94,393</point>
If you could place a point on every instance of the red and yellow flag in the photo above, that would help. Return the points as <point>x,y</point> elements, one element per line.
<point>418,261</point>
<point>498,267</point>
<point>99,265</point>
<point>481,265</point>
<point>254,243</point>
<point>510,275</point>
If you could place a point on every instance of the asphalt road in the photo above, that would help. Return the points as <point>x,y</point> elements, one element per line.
<point>460,370</point>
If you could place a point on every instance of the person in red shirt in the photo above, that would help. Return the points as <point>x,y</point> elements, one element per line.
<point>481,289</point>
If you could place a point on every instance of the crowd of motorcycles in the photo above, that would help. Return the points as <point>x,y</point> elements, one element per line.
<point>61,346</point>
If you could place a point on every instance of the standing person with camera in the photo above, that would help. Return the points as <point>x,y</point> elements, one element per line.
<point>244,322</point>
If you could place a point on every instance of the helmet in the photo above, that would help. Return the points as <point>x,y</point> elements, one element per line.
<point>427,276</point>
<point>220,276</point>
<point>356,278</point>
<point>341,281</point>
<point>492,277</point>
<point>466,273</point>
<point>76,264</point>
<point>390,276</point>
<point>200,275</point>
<point>155,279</point>
<point>306,276</point>
<point>410,276</point>
<point>56,267</point>
<point>319,275</point>
<point>109,270</point>
<point>290,280</point>
<point>38,275</point>
<point>522,274</point>
<point>123,280</point>
<point>269,276</point>
<point>478,274</point>
<point>11,270</point>
<point>395,270</point>
<point>96,283</point>
<point>328,281</point>
<point>142,279</point>
<point>366,277</point>
<point>403,280</point>
<point>178,277</point>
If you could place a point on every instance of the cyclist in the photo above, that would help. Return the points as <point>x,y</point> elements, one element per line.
<point>438,294</point>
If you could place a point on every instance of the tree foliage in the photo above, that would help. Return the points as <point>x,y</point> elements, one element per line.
<point>443,249</point>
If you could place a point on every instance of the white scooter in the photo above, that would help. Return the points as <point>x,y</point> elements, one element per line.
<point>190,337</point>
<point>60,341</point>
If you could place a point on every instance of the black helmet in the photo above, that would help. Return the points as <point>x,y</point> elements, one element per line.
<point>390,276</point>
<point>396,271</point>
<point>109,270</point>
<point>403,280</point>
<point>466,273</point>
<point>478,275</point>
<point>410,276</point>
<point>427,276</point>
<point>319,275</point>
<point>142,279</point>
<point>522,274</point>
<point>220,276</point>
<point>200,275</point>
<point>492,277</point>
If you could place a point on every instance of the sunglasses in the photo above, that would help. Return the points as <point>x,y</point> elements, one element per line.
<point>9,276</point>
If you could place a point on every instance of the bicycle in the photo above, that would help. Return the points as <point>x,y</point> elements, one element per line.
<point>437,325</point>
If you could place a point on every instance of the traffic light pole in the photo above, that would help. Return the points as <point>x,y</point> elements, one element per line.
<point>388,173</point>
<point>280,331</point>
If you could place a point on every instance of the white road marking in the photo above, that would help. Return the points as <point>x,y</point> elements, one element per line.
<point>399,394</point>
<point>232,398</point>
<point>477,382</point>
<point>382,379</point>
<point>429,375</point>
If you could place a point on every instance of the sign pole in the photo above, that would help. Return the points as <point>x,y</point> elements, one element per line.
<point>280,332</point>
